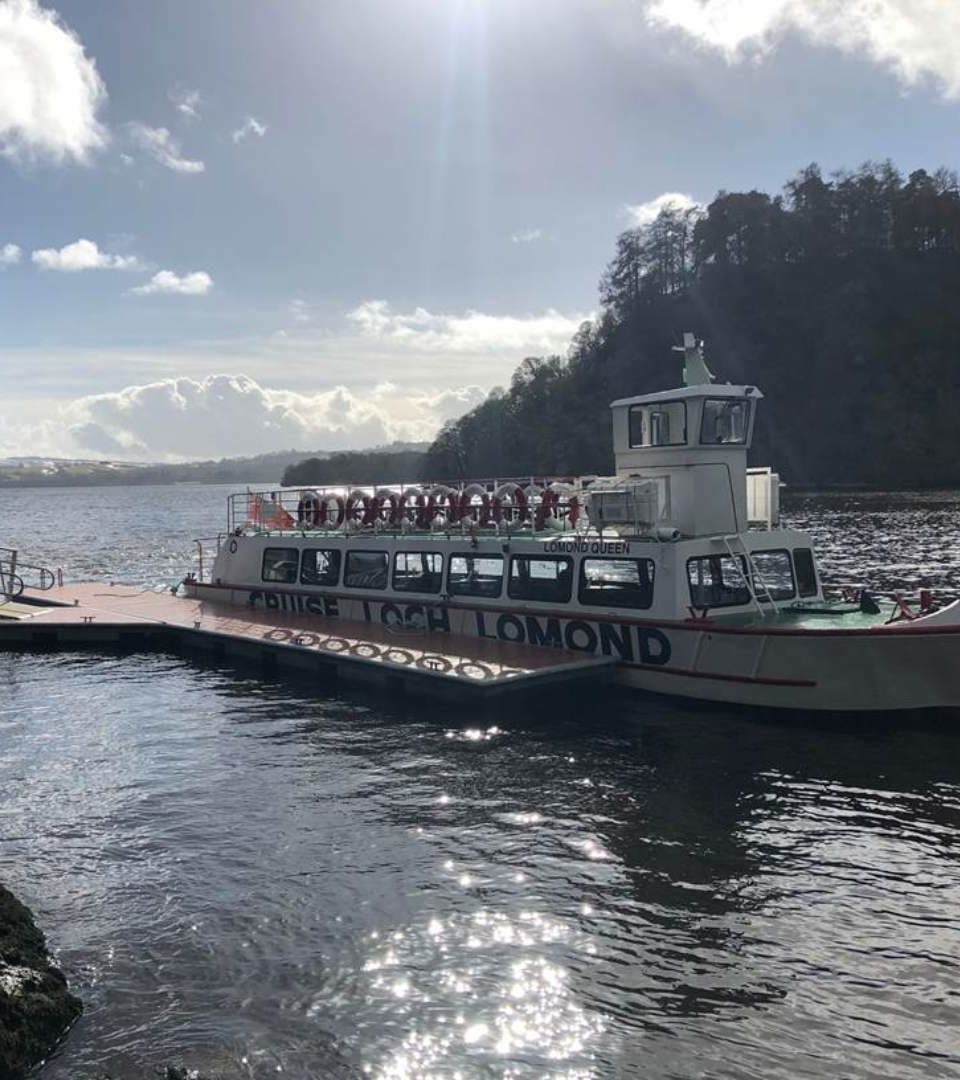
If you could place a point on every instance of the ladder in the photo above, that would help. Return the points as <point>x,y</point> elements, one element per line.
<point>753,577</point>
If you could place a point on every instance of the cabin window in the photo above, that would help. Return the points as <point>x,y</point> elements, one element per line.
<point>718,581</point>
<point>806,571</point>
<point>621,583</point>
<point>366,570</point>
<point>660,424</point>
<point>280,565</point>
<point>418,571</point>
<point>475,575</point>
<point>320,566</point>
<point>548,580</point>
<point>773,575</point>
<point>725,420</point>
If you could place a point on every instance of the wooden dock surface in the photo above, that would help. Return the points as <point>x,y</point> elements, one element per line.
<point>100,613</point>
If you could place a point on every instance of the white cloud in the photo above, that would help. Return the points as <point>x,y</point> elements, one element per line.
<point>198,283</point>
<point>299,311</point>
<point>473,332</point>
<point>526,236</point>
<point>250,126</point>
<point>915,38</point>
<point>9,255</point>
<point>644,213</point>
<point>50,90</point>
<point>374,375</point>
<point>187,103</point>
<point>164,148</point>
<point>233,415</point>
<point>83,255</point>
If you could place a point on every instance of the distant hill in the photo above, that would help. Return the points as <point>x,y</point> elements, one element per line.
<point>35,471</point>
<point>837,298</point>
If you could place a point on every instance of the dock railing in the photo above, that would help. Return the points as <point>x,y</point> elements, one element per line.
<point>16,575</point>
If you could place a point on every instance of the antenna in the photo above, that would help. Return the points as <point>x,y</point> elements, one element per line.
<point>695,370</point>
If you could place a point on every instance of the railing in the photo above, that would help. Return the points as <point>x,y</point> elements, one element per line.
<point>16,575</point>
<point>205,558</point>
<point>503,504</point>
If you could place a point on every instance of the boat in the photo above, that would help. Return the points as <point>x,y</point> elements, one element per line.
<point>676,567</point>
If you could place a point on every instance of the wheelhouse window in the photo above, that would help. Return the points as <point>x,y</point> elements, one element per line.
<point>806,571</point>
<point>280,565</point>
<point>366,570</point>
<point>718,581</point>
<point>620,583</point>
<point>320,566</point>
<point>549,580</point>
<point>725,420</point>
<point>475,575</point>
<point>663,423</point>
<point>773,575</point>
<point>418,571</point>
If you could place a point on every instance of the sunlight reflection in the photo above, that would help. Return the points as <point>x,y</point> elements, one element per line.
<point>519,1016</point>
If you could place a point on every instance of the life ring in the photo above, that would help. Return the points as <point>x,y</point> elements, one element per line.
<point>390,506</point>
<point>335,644</point>
<point>232,547</point>
<point>278,634</point>
<point>432,662</point>
<point>308,509</point>
<point>398,656</point>
<point>471,513</point>
<point>548,502</point>
<point>366,650</point>
<point>301,639</point>
<point>371,510</point>
<point>473,669</point>
<point>426,509</point>
<point>339,509</point>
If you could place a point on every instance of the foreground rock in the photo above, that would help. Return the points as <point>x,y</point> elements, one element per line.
<point>35,1006</point>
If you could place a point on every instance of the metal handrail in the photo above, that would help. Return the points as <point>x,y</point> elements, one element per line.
<point>12,568</point>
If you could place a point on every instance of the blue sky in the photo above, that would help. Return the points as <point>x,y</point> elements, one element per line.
<point>228,228</point>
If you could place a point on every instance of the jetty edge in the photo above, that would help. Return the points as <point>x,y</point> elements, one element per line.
<point>36,1007</point>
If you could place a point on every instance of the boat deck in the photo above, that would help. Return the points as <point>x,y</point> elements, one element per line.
<point>824,615</point>
<point>448,664</point>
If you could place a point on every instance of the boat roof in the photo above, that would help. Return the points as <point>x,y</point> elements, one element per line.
<point>705,390</point>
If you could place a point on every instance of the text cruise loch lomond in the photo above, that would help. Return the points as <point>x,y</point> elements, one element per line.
<point>675,567</point>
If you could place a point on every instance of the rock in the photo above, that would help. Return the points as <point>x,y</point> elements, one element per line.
<point>36,1008</point>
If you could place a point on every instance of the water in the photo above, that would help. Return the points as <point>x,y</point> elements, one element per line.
<point>258,880</point>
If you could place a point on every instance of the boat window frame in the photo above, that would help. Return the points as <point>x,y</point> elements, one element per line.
<point>406,589</point>
<point>640,445</point>
<point>350,552</point>
<point>814,583</point>
<point>761,594</point>
<point>727,403</point>
<point>338,552</point>
<point>745,573</point>
<point>565,560</point>
<point>275,580</point>
<point>453,591</point>
<point>609,602</point>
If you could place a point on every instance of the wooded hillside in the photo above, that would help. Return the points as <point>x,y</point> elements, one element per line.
<point>839,298</point>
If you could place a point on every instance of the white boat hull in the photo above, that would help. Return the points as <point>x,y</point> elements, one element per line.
<point>905,666</point>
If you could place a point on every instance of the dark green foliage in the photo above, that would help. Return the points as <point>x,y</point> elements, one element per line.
<point>359,467</point>
<point>35,1014</point>
<point>838,298</point>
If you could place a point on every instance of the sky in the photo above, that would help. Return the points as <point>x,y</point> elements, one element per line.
<point>329,224</point>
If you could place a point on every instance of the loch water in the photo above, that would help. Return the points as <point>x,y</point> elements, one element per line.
<point>269,878</point>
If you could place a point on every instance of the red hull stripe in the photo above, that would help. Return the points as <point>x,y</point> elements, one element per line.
<point>754,680</point>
